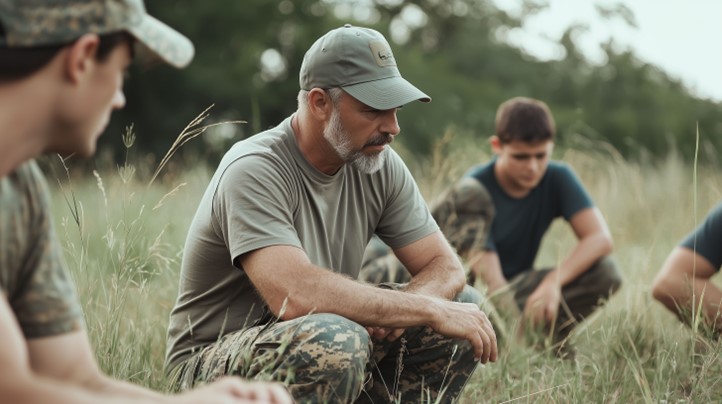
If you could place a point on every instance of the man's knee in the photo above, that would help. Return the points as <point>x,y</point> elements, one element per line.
<point>335,338</point>
<point>329,359</point>
<point>464,213</point>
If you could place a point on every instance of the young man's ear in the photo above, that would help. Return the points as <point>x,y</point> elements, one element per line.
<point>496,144</point>
<point>319,103</point>
<point>81,57</point>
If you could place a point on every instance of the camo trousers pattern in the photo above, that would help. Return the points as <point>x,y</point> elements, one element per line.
<point>325,358</point>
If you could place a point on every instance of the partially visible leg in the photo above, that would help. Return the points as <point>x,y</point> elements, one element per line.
<point>380,265</point>
<point>320,357</point>
<point>580,298</point>
<point>421,365</point>
<point>464,212</point>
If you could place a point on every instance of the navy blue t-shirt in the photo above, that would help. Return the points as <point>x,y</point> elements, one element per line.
<point>520,223</point>
<point>709,238</point>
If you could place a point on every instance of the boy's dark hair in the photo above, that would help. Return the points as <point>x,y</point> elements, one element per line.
<point>18,63</point>
<point>524,119</point>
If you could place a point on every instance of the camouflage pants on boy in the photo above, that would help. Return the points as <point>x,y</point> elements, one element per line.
<point>326,358</point>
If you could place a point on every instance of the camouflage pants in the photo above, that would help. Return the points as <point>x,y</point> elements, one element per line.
<point>325,358</point>
<point>580,298</point>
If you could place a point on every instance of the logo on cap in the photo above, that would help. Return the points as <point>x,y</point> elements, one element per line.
<point>382,54</point>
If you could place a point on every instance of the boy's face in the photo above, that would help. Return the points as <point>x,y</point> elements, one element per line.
<point>520,165</point>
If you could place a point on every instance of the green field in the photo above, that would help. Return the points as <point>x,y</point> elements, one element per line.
<point>123,241</point>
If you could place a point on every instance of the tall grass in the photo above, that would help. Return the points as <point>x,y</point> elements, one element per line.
<point>123,241</point>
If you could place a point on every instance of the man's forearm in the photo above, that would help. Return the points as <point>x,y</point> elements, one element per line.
<point>443,277</point>
<point>368,305</point>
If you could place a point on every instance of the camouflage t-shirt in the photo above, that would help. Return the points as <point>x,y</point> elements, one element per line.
<point>33,276</point>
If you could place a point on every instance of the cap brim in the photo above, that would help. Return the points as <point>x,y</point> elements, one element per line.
<point>159,42</point>
<point>386,93</point>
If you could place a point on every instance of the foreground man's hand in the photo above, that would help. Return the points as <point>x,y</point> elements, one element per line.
<point>467,321</point>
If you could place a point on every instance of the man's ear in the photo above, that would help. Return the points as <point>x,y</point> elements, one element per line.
<point>319,103</point>
<point>496,144</point>
<point>81,57</point>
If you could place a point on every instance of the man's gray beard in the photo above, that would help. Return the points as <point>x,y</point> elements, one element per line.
<point>340,140</point>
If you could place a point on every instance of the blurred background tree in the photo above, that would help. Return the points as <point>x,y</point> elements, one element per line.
<point>248,55</point>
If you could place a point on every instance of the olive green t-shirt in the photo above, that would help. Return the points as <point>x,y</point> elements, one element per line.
<point>266,193</point>
<point>33,276</point>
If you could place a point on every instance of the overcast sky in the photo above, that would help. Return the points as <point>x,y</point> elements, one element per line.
<point>683,37</point>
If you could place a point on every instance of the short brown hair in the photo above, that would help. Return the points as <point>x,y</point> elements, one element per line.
<point>18,63</point>
<point>524,119</point>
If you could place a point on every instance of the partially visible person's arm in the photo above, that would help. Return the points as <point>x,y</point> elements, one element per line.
<point>594,242</point>
<point>61,369</point>
<point>683,286</point>
<point>293,287</point>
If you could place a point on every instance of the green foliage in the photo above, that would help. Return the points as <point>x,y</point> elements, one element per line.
<point>457,55</point>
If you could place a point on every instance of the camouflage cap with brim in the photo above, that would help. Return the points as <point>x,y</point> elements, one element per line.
<point>37,23</point>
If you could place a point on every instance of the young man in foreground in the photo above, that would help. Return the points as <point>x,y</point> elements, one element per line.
<point>268,280</point>
<point>684,285</point>
<point>61,75</point>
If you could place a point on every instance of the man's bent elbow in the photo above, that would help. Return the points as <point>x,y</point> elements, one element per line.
<point>458,279</point>
<point>289,308</point>
<point>666,292</point>
<point>607,245</point>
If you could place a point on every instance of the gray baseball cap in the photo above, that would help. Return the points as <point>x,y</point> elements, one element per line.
<point>35,23</point>
<point>358,60</point>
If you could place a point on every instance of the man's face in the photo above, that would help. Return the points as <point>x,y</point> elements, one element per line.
<point>359,134</point>
<point>520,166</point>
<point>82,123</point>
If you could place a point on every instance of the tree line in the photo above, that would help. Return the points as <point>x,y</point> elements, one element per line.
<point>248,55</point>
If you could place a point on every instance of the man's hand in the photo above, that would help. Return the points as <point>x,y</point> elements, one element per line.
<point>542,306</point>
<point>232,390</point>
<point>467,321</point>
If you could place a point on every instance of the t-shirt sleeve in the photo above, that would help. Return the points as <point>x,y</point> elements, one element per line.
<point>42,294</point>
<point>252,206</point>
<point>573,196</point>
<point>706,239</point>
<point>406,217</point>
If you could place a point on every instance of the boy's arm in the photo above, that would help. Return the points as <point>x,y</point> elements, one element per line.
<point>594,242</point>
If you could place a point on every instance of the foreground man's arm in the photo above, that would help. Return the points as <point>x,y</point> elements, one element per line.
<point>305,288</point>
